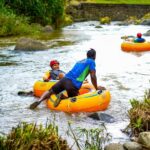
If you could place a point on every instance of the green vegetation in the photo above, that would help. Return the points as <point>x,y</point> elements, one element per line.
<point>89,139</point>
<point>27,17</point>
<point>146,16</point>
<point>139,114</point>
<point>36,137</point>
<point>40,11</point>
<point>32,137</point>
<point>141,2</point>
<point>132,20</point>
<point>12,25</point>
<point>24,17</point>
<point>105,20</point>
<point>122,1</point>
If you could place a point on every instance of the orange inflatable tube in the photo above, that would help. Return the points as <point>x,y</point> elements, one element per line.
<point>135,47</point>
<point>89,102</point>
<point>40,87</point>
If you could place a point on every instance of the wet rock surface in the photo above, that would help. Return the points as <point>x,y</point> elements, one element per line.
<point>29,44</point>
<point>102,117</point>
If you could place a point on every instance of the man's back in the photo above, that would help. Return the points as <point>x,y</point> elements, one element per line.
<point>80,71</point>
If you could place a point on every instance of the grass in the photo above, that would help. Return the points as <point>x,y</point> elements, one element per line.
<point>136,2</point>
<point>122,1</point>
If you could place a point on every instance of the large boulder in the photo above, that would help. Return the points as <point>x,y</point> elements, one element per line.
<point>47,29</point>
<point>144,139</point>
<point>132,146</point>
<point>147,33</point>
<point>29,44</point>
<point>114,146</point>
<point>145,22</point>
<point>102,117</point>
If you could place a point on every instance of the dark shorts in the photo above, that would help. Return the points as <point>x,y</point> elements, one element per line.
<point>65,84</point>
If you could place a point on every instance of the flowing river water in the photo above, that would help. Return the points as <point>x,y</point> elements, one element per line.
<point>126,75</point>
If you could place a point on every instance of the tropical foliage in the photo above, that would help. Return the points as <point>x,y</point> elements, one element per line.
<point>30,136</point>
<point>40,11</point>
<point>139,114</point>
<point>11,24</point>
<point>26,17</point>
<point>33,137</point>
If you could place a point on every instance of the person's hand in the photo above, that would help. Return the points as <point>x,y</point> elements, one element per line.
<point>124,37</point>
<point>85,81</point>
<point>61,75</point>
<point>45,80</point>
<point>101,88</point>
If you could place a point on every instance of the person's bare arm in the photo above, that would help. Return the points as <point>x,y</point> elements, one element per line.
<point>94,81</point>
<point>93,78</point>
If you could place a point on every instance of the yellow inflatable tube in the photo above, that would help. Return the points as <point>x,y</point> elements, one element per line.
<point>89,102</point>
<point>135,47</point>
<point>40,87</point>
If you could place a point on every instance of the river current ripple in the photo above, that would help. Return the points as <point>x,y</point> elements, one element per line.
<point>126,75</point>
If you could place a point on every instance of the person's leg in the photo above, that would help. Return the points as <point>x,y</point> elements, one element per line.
<point>65,84</point>
<point>71,89</point>
<point>46,95</point>
<point>55,89</point>
<point>58,88</point>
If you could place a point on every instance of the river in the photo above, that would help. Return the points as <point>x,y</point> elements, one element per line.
<point>126,75</point>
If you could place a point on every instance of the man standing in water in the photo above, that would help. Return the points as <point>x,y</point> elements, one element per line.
<point>73,79</point>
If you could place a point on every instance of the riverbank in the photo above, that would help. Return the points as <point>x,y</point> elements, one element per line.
<point>117,12</point>
<point>83,11</point>
<point>122,73</point>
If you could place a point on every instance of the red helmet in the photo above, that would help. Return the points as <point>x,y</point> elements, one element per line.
<point>53,62</point>
<point>139,35</point>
